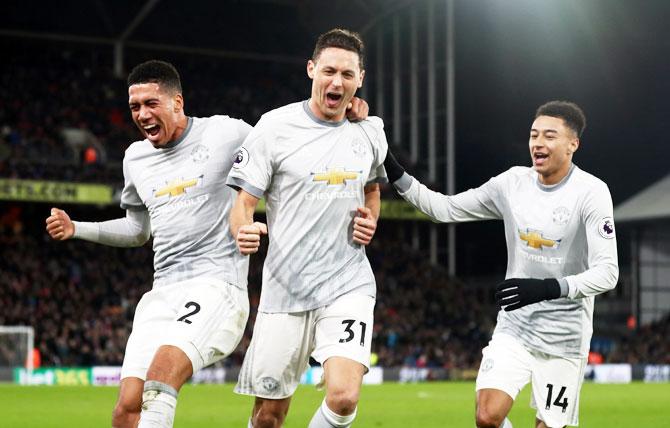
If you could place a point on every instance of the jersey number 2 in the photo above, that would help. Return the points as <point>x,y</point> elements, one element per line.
<point>560,401</point>
<point>350,332</point>
<point>196,309</point>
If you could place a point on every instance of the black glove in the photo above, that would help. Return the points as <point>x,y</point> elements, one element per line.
<point>393,169</point>
<point>516,293</point>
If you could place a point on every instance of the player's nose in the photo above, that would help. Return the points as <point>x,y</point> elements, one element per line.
<point>538,142</point>
<point>337,80</point>
<point>143,113</point>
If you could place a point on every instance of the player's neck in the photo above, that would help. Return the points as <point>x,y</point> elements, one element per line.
<point>314,108</point>
<point>182,124</point>
<point>557,176</point>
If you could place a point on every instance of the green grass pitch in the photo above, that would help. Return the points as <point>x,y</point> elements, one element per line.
<point>446,404</point>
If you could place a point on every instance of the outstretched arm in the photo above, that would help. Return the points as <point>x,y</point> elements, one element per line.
<point>472,205</point>
<point>132,231</point>
<point>247,233</point>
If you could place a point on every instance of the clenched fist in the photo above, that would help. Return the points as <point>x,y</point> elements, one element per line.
<point>249,237</point>
<point>59,225</point>
<point>364,226</point>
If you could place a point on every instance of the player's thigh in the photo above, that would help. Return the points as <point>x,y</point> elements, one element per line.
<point>506,366</point>
<point>278,355</point>
<point>344,329</point>
<point>152,319</point>
<point>209,322</point>
<point>556,386</point>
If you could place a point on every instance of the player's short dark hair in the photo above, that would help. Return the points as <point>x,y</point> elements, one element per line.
<point>343,39</point>
<point>155,71</point>
<point>571,113</point>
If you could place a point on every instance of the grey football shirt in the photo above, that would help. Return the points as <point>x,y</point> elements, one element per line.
<point>312,174</point>
<point>183,188</point>
<point>565,231</point>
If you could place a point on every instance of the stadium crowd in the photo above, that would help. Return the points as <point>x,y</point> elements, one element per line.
<point>647,344</point>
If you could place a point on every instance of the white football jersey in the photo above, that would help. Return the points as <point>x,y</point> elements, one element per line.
<point>183,188</point>
<point>312,174</point>
<point>564,231</point>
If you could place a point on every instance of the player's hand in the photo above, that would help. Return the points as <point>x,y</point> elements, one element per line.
<point>357,109</point>
<point>59,225</point>
<point>393,168</point>
<point>516,293</point>
<point>249,237</point>
<point>364,226</point>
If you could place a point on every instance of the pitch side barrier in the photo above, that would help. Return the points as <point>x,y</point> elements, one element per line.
<point>110,375</point>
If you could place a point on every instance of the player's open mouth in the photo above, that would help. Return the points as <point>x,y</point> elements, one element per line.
<point>540,158</point>
<point>151,130</point>
<point>333,99</point>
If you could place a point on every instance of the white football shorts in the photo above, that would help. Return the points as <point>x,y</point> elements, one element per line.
<point>508,366</point>
<point>283,342</point>
<point>204,317</point>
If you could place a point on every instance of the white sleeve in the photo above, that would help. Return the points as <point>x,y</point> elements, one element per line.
<point>252,169</point>
<point>472,205</point>
<point>130,199</point>
<point>603,271</point>
<point>132,231</point>
<point>373,128</point>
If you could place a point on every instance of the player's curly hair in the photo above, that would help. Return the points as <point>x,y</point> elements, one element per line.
<point>571,113</point>
<point>155,71</point>
<point>343,39</point>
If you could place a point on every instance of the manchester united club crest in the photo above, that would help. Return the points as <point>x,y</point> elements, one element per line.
<point>560,216</point>
<point>199,154</point>
<point>359,148</point>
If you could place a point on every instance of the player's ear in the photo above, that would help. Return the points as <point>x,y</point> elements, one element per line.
<point>310,68</point>
<point>178,102</point>
<point>360,81</point>
<point>574,145</point>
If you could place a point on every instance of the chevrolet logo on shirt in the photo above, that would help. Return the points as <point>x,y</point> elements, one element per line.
<point>176,187</point>
<point>536,240</point>
<point>336,176</point>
